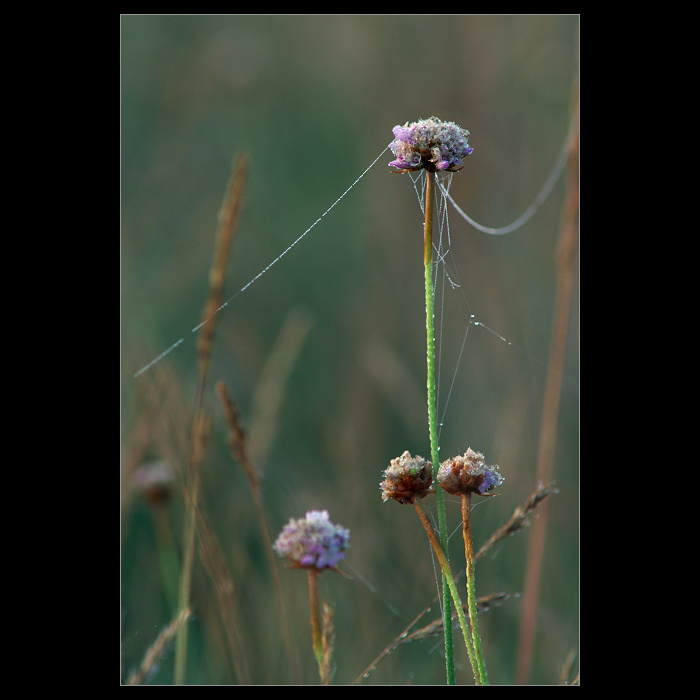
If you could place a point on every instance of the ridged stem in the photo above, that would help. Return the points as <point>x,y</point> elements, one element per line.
<point>471,588</point>
<point>432,413</point>
<point>447,576</point>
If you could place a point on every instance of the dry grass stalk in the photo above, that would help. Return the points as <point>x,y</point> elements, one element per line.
<point>433,628</point>
<point>483,604</point>
<point>267,400</point>
<point>327,640</point>
<point>213,560</point>
<point>401,636</point>
<point>270,389</point>
<point>518,520</point>
<point>239,450</point>
<point>157,649</point>
<point>237,437</point>
<point>228,217</point>
<point>566,261</point>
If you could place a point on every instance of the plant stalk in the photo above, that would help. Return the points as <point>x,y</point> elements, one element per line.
<point>316,636</point>
<point>432,413</point>
<point>471,588</point>
<point>228,217</point>
<point>447,576</point>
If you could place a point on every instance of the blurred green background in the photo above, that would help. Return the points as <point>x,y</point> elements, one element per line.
<point>312,101</point>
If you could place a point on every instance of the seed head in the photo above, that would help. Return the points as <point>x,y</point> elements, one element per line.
<point>468,473</point>
<point>431,144</point>
<point>407,478</point>
<point>313,542</point>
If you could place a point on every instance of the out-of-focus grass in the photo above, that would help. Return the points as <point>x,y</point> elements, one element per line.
<point>312,100</point>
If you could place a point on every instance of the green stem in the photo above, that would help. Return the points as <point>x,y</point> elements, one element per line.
<point>471,588</point>
<point>432,413</point>
<point>447,576</point>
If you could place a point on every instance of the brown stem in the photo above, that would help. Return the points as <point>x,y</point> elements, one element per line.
<point>565,284</point>
<point>471,587</point>
<point>316,635</point>
<point>467,529</point>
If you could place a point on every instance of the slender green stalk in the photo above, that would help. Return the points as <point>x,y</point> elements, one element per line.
<point>471,588</point>
<point>432,413</point>
<point>447,576</point>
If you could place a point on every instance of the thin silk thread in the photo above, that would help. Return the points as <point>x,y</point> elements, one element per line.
<point>168,350</point>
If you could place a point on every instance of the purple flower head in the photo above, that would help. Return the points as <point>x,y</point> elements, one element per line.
<point>313,542</point>
<point>431,144</point>
<point>468,473</point>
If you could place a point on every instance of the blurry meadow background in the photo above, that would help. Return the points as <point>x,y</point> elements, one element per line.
<point>324,355</point>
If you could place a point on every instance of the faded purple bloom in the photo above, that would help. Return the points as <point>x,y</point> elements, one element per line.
<point>491,480</point>
<point>313,542</point>
<point>468,473</point>
<point>402,133</point>
<point>431,144</point>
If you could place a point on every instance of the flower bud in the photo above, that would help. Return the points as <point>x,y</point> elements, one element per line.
<point>468,473</point>
<point>407,478</point>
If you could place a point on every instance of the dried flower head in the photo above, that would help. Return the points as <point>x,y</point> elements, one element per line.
<point>407,478</point>
<point>468,473</point>
<point>154,481</point>
<point>313,542</point>
<point>431,144</point>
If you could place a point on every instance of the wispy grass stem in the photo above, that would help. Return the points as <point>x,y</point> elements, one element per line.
<point>315,619</point>
<point>320,644</point>
<point>565,271</point>
<point>228,217</point>
<point>239,450</point>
